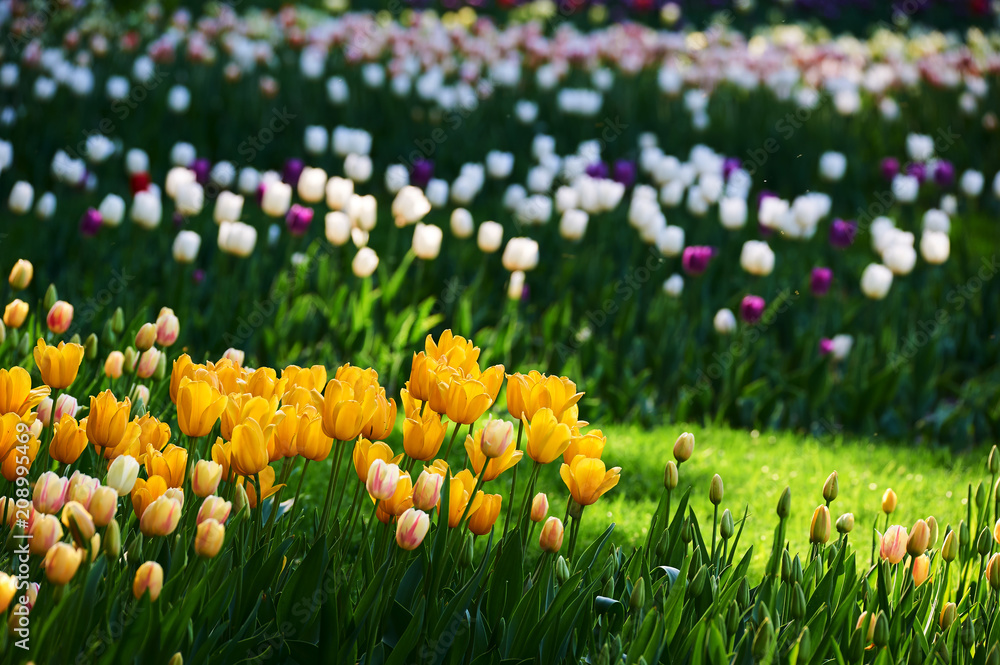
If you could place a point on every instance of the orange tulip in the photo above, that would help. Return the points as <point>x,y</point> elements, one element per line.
<point>107,419</point>
<point>16,395</point>
<point>383,420</point>
<point>249,450</point>
<point>241,407</point>
<point>422,377</point>
<point>311,442</point>
<point>152,432</point>
<point>590,444</point>
<point>547,437</point>
<point>588,479</point>
<point>15,313</point>
<point>345,413</point>
<point>482,520</point>
<point>69,440</point>
<point>264,382</point>
<point>171,464</point>
<point>453,350</point>
<point>423,435</point>
<point>145,492</point>
<point>468,400</point>
<point>458,499</point>
<point>267,486</point>
<point>58,364</point>
<point>199,406</point>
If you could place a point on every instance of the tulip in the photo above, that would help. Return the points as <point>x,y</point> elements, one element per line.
<point>551,538</point>
<point>249,449</point>
<point>724,321</point>
<point>870,632</point>
<point>423,435</point>
<point>695,259</point>
<point>8,589</point>
<point>481,520</point>
<point>401,499</point>
<point>948,616</point>
<point>69,440</point>
<point>148,362</point>
<point>921,569</point>
<point>382,479</point>
<point>79,522</point>
<point>45,532</point>
<point>489,237</point>
<point>108,419</point>
<point>199,406</point>
<point>149,577</point>
<point>237,238</point>
<point>547,437</point>
<point>876,281</point>
<point>993,572</point>
<point>427,241</point>
<point>103,506</point>
<point>888,502</point>
<point>15,313</point>
<point>161,517</point>
<point>819,529</point>
<point>919,539</point>
<point>590,444</point>
<point>20,275</point>
<point>494,466</point>
<point>684,447</point>
<point>380,425</point>
<point>114,365</point>
<point>311,442</point>
<point>751,309</point>
<point>345,413</point>
<point>209,538</point>
<point>588,479</point>
<point>845,523</point>
<point>61,563</point>
<point>146,337</point>
<point>186,245</point>
<point>365,453</point>
<point>122,474</point>
<point>49,493</point>
<point>893,546</point>
<point>58,364</point>
<point>411,528</point>
<point>365,262</point>
<point>427,490</point>
<point>459,496</point>
<point>539,507</point>
<point>496,436</point>
<point>59,318</point>
<point>216,508</point>
<point>82,488</point>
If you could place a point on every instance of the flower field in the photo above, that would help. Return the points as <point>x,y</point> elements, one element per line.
<point>369,334</point>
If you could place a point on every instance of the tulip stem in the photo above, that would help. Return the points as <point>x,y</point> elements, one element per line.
<point>574,532</point>
<point>364,534</point>
<point>295,501</point>
<point>513,481</point>
<point>329,489</point>
<point>715,529</point>
<point>447,452</point>
<point>340,495</point>
<point>258,523</point>
<point>526,501</point>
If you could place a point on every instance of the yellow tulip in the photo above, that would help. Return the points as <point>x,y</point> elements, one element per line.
<point>458,499</point>
<point>16,395</point>
<point>61,563</point>
<point>468,400</point>
<point>14,464</point>
<point>241,407</point>
<point>264,382</point>
<point>222,454</point>
<point>129,444</point>
<point>383,420</point>
<point>496,465</point>
<point>69,440</point>
<point>482,520</point>
<point>590,444</point>
<point>555,392</point>
<point>519,393</point>
<point>311,442</point>
<point>209,538</point>
<point>588,479</point>
<point>15,313</point>
<point>249,451</point>
<point>345,413</point>
<point>422,377</point>
<point>267,486</point>
<point>149,577</point>
<point>423,435</point>
<point>286,429</point>
<point>182,368</point>
<point>152,432</point>
<point>171,464</point>
<point>199,406</point>
<point>547,437</point>
<point>8,589</point>
<point>453,350</point>
<point>107,419</point>
<point>58,364</point>
<point>492,379</point>
<point>145,492</point>
<point>399,502</point>
<point>160,517</point>
<point>310,378</point>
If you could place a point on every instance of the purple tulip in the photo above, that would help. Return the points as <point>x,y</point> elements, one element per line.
<point>842,233</point>
<point>201,167</point>
<point>944,173</point>
<point>751,309</point>
<point>597,170</point>
<point>695,259</point>
<point>918,170</point>
<point>90,222</point>
<point>890,168</point>
<point>729,165</point>
<point>624,172</point>
<point>259,196</point>
<point>298,219</point>
<point>292,171</point>
<point>825,346</point>
<point>421,172</point>
<point>819,281</point>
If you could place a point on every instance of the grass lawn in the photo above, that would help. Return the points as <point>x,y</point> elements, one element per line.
<point>755,469</point>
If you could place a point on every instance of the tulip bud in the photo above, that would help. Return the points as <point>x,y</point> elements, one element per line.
<point>888,502</point>
<point>79,522</point>
<point>604,658</point>
<point>51,296</point>
<point>241,502</point>
<point>661,545</point>
<point>131,358</point>
<point>209,538</point>
<point>993,464</point>
<point>146,337</point>
<point>45,531</point>
<point>122,474</point>
<point>726,526</point>
<point>684,447</point>
<point>920,536</point>
<point>49,493</point>
<point>785,503</point>
<point>61,563</point>
<point>24,345</point>
<point>411,527</point>
<point>993,572</point>
<point>670,475</point>
<point>980,496</point>
<point>382,479</point>
<point>968,633</point>
<point>160,517</point>
<point>845,523</point>
<point>20,275</point>
<point>205,478</point>
<point>762,640</point>
<point>743,594</point>
<point>819,529</point>
<point>114,364</point>
<point>984,543</point>
<point>176,659</point>
<point>551,537</point>
<point>831,488</point>
<point>161,367</point>
<point>933,527</point>
<point>562,569</point>
<point>686,531</point>
<point>90,347</point>
<point>467,553</point>
<point>497,437</point>
<point>948,615</point>
<point>75,339</point>
<point>427,490</point>
<point>786,566</point>
<point>118,321</point>
<point>638,598</point>
<point>3,332</point>
<point>539,507</point>
<point>175,493</point>
<point>881,637</point>
<point>215,507</point>
<point>149,578</point>
<point>168,327</point>
<point>60,317</point>
<point>698,583</point>
<point>715,490</point>
<point>949,551</point>
<point>798,604</point>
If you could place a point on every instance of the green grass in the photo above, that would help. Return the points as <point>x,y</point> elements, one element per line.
<point>755,469</point>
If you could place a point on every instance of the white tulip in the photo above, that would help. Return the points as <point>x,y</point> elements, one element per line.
<point>876,281</point>
<point>540,179</point>
<point>971,183</point>
<point>122,474</point>
<point>567,198</point>
<point>427,241</point>
<point>179,99</point>
<point>696,203</point>
<point>358,167</point>
<point>919,147</point>
<point>316,139</point>
<point>900,258</point>
<point>515,287</point>
<point>237,238</point>
<point>362,210</point>
<point>672,193</point>
<point>186,246</point>
<point>409,206</point>
<point>520,254</point>
<point>936,220</point>
<point>136,161</point>
<point>879,228</point>
<point>905,188</point>
<point>733,213</point>
<point>228,207</point>
<point>99,148</point>
<point>190,198</point>
<point>670,240</point>
<point>996,185</point>
<point>277,199</point>
<point>182,154</point>
<point>337,90</point>
<point>832,166</point>
<point>673,286</point>
<point>526,111</point>
<point>338,228</point>
<point>112,210</point>
<point>935,247</point>
<point>147,210</point>
<point>223,174</point>
<point>249,180</point>
<point>396,178</point>
<point>437,192</point>
<point>513,196</point>
<point>461,223</point>
<point>22,196</point>
<point>338,192</point>
<point>176,177</point>
<point>311,185</point>
<point>841,346</point>
<point>489,237</point>
<point>46,206</point>
<point>359,237</point>
<point>757,258</point>
<point>949,204</point>
<point>365,262</point>
<point>573,224</point>
<point>724,321</point>
<point>609,195</point>
<point>499,164</point>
